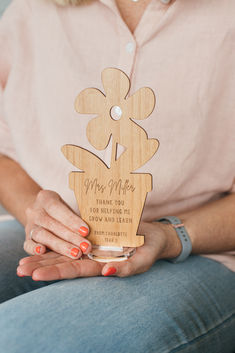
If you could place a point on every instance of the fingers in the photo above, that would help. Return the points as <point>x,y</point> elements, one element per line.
<point>124,269</point>
<point>42,235</point>
<point>60,229</point>
<point>56,208</point>
<point>72,269</point>
<point>45,221</point>
<point>52,266</point>
<point>27,269</point>
<point>33,248</point>
<point>58,267</point>
<point>47,255</point>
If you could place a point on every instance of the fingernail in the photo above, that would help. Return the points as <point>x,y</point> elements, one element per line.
<point>38,249</point>
<point>84,246</point>
<point>18,272</point>
<point>83,231</point>
<point>20,275</point>
<point>110,271</point>
<point>74,252</point>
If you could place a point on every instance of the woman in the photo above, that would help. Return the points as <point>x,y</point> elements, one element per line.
<point>184,51</point>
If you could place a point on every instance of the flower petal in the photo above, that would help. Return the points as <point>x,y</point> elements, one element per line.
<point>141,104</point>
<point>90,101</point>
<point>98,132</point>
<point>116,84</point>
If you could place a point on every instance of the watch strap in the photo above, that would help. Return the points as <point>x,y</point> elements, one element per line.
<point>183,236</point>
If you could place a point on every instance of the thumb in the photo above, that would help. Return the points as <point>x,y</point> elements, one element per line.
<point>136,264</point>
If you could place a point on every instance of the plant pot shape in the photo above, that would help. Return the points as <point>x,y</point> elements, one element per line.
<point>111,206</point>
<point>111,199</point>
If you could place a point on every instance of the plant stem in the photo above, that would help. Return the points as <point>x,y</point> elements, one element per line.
<point>113,155</point>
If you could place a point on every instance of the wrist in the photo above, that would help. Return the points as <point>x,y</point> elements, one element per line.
<point>173,246</point>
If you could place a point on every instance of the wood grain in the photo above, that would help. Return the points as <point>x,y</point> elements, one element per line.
<point>111,200</point>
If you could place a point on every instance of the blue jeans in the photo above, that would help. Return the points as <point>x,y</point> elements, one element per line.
<point>187,307</point>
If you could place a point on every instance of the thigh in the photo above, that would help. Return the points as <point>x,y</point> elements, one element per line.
<point>11,251</point>
<point>186,307</point>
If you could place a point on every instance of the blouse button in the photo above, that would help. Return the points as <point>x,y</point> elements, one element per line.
<point>130,47</point>
<point>165,1</point>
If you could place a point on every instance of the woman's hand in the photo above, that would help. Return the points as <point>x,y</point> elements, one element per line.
<point>52,224</point>
<point>53,266</point>
<point>161,241</point>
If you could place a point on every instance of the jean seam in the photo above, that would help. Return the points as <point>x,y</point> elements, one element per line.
<point>196,339</point>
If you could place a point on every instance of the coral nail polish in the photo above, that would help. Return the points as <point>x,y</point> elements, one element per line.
<point>110,271</point>
<point>84,246</point>
<point>83,231</point>
<point>19,275</point>
<point>74,252</point>
<point>38,249</point>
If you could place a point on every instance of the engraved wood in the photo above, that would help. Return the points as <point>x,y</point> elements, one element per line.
<point>111,199</point>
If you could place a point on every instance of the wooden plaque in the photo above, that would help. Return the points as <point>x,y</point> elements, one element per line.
<point>111,198</point>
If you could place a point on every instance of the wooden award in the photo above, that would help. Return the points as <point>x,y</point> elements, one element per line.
<point>111,198</point>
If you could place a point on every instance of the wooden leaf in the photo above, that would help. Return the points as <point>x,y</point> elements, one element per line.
<point>83,159</point>
<point>139,149</point>
<point>132,160</point>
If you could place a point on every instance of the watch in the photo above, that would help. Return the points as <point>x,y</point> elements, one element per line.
<point>183,236</point>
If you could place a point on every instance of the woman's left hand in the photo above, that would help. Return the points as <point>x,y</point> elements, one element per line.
<point>161,241</point>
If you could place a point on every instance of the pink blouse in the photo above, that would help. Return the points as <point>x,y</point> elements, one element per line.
<point>183,50</point>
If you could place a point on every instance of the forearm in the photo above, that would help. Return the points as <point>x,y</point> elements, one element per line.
<point>17,189</point>
<point>211,228</point>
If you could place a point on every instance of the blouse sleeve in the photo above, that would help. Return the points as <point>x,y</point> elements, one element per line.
<point>11,24</point>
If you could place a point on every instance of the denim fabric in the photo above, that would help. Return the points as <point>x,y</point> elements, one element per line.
<point>187,307</point>
<point>11,251</point>
<point>3,5</point>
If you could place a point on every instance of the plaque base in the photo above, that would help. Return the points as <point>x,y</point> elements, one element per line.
<point>110,253</point>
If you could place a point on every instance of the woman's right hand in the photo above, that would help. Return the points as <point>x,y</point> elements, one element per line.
<point>50,223</point>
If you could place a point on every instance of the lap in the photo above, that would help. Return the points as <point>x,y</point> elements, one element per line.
<point>12,237</point>
<point>187,307</point>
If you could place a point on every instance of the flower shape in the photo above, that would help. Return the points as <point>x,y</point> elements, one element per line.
<point>92,101</point>
<point>115,113</point>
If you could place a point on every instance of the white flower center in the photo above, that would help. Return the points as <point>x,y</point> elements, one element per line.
<point>116,112</point>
